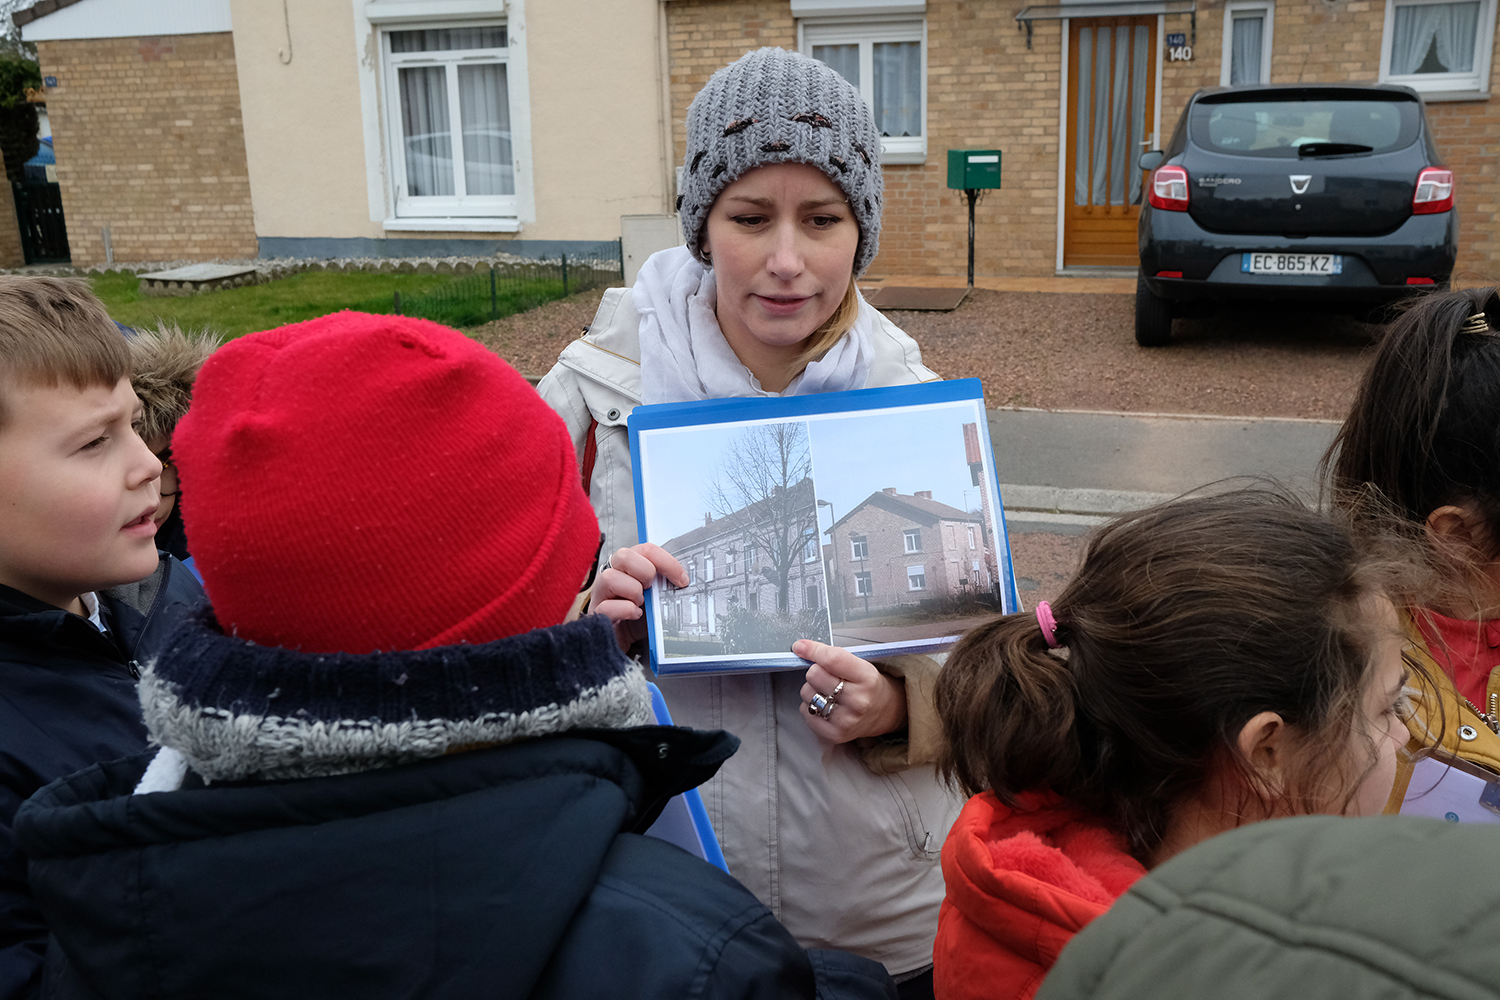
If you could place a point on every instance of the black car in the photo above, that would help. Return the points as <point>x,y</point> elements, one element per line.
<point>1332,194</point>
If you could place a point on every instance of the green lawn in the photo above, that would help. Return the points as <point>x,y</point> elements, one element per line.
<point>237,311</point>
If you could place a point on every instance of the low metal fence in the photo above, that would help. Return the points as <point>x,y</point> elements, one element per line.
<point>515,286</point>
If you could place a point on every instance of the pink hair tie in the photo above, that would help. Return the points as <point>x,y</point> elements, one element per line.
<point>1047,622</point>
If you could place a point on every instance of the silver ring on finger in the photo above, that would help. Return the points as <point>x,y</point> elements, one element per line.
<point>821,706</point>
<point>837,689</point>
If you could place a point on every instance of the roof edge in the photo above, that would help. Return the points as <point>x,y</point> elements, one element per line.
<point>38,10</point>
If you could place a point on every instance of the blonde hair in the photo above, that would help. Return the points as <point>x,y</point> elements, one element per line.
<point>54,330</point>
<point>834,327</point>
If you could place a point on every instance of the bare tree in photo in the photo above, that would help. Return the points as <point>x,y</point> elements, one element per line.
<point>765,486</point>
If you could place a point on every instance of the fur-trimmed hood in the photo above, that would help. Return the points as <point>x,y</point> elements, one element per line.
<point>163,365</point>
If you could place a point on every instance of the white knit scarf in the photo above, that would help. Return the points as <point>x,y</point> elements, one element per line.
<point>684,355</point>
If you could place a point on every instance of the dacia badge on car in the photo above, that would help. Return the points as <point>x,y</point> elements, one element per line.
<point>1300,183</point>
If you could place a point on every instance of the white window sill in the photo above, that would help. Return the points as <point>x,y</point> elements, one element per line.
<point>911,156</point>
<point>452,225</point>
<point>1441,96</point>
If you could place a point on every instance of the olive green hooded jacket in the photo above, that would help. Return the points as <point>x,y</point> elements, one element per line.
<point>1314,908</point>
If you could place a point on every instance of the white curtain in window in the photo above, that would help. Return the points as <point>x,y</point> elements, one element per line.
<point>1452,26</point>
<point>843,59</point>
<point>448,39</point>
<point>484,111</point>
<point>1082,120</point>
<point>426,132</point>
<point>1100,189</point>
<point>1119,124</point>
<point>1137,110</point>
<point>898,88</point>
<point>1245,49</point>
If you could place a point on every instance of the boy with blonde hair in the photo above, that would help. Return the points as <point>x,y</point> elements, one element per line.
<point>84,594</point>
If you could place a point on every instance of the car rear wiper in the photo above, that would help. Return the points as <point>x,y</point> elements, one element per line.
<point>1332,148</point>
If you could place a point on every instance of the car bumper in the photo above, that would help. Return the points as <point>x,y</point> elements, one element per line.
<point>1376,268</point>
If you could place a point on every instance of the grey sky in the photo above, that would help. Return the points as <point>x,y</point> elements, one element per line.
<point>916,450</point>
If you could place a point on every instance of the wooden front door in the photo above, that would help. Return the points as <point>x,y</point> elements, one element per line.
<point>1111,116</point>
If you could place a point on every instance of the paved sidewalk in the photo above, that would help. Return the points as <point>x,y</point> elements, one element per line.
<point>1063,472</point>
<point>1084,463</point>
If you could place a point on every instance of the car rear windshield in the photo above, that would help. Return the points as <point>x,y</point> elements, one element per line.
<point>1288,126</point>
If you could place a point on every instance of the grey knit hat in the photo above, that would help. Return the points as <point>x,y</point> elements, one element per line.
<point>774,106</point>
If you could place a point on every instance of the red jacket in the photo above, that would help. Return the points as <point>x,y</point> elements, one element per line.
<point>1020,884</point>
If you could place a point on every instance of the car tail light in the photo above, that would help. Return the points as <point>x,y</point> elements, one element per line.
<point>1169,189</point>
<point>1169,274</point>
<point>1420,281</point>
<point>1434,191</point>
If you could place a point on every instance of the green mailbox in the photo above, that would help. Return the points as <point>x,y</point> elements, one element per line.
<point>973,169</point>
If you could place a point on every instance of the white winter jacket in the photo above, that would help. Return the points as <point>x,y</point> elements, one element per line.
<point>841,842</point>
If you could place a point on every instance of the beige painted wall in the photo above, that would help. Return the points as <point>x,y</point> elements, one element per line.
<point>595,110</point>
<point>596,116</point>
<point>304,139</point>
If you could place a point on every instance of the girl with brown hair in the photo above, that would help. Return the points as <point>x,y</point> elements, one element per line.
<point>1215,661</point>
<point>1422,442</point>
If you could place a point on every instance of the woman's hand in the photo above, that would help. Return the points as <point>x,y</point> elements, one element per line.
<point>620,592</point>
<point>869,704</point>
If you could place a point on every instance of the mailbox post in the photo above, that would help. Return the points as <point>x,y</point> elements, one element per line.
<point>972,171</point>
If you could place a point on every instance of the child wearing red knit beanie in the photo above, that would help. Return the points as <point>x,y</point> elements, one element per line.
<point>387,768</point>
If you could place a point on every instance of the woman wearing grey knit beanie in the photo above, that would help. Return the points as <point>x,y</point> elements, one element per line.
<point>836,823</point>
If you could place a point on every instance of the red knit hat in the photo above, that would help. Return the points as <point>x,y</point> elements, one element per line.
<point>359,482</point>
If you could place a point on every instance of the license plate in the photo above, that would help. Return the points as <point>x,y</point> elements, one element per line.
<point>1292,263</point>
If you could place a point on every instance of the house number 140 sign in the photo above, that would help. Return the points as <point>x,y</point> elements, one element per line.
<point>1178,50</point>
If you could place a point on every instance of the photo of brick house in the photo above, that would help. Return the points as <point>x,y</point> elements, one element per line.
<point>897,550</point>
<point>1053,85</point>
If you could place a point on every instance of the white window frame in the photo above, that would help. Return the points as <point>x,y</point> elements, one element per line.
<point>865,32</point>
<point>863,584</point>
<point>1234,7</point>
<point>859,547</point>
<point>708,568</point>
<point>971,536</point>
<point>371,18</point>
<point>1436,86</point>
<point>912,539</point>
<point>729,562</point>
<point>809,545</point>
<point>916,577</point>
<point>431,207</point>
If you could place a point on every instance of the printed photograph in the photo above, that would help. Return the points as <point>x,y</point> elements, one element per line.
<point>737,507</point>
<point>909,547</point>
<point>872,529</point>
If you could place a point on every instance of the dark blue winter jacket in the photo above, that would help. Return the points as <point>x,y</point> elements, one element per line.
<point>68,700</point>
<point>512,871</point>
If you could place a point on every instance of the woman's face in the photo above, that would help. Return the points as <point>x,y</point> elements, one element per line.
<point>782,241</point>
<point>1381,712</point>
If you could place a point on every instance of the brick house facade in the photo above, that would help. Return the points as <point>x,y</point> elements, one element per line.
<point>729,565</point>
<point>895,550</point>
<point>150,145</point>
<point>993,81</point>
<point>196,129</point>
